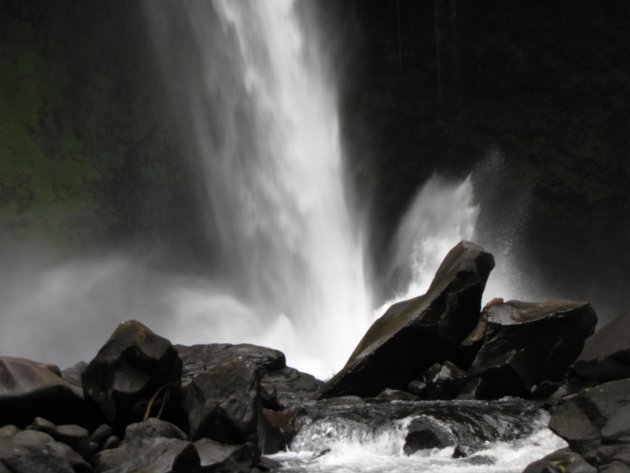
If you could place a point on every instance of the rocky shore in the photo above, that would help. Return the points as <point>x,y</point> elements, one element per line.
<point>144,404</point>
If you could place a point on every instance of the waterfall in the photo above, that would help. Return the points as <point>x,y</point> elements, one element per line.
<point>274,176</point>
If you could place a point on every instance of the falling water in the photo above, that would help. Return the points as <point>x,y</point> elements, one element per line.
<point>274,177</point>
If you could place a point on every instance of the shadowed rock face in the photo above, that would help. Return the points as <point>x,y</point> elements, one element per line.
<point>415,334</point>
<point>526,344</point>
<point>128,370</point>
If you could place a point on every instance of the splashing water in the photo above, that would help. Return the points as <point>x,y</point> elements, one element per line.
<point>441,215</point>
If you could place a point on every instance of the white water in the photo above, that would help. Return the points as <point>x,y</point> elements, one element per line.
<point>355,448</point>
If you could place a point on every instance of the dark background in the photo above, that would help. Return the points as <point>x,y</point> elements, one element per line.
<point>92,154</point>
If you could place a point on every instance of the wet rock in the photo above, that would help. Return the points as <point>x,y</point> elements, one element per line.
<point>423,434</point>
<point>594,418</point>
<point>113,441</point>
<point>223,403</point>
<point>32,451</point>
<point>29,389</point>
<point>283,386</point>
<point>282,427</point>
<point>415,334</point>
<point>561,461</point>
<point>527,344</point>
<point>292,387</point>
<point>215,456</point>
<point>9,430</point>
<point>128,371</point>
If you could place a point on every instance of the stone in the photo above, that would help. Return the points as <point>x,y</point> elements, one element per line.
<point>528,344</point>
<point>29,389</point>
<point>441,381</point>
<point>563,460</point>
<point>422,434</point>
<point>73,374</point>
<point>154,428</point>
<point>149,455</point>
<point>128,371</point>
<point>606,355</point>
<point>415,334</point>
<point>281,385</point>
<point>223,403</point>
<point>101,433</point>
<point>593,417</point>
<point>75,436</point>
<point>215,456</point>
<point>32,451</point>
<point>281,428</point>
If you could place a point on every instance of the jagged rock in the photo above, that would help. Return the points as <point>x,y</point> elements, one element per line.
<point>223,403</point>
<point>128,370</point>
<point>422,434</point>
<point>594,418</point>
<point>563,460</point>
<point>415,334</point>
<point>29,389</point>
<point>527,344</point>
<point>31,451</point>
<point>218,457</point>
<point>282,386</point>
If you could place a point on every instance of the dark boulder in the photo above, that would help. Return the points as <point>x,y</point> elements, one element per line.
<point>223,403</point>
<point>29,389</point>
<point>563,460</point>
<point>595,419</point>
<point>150,455</point>
<point>423,434</point>
<point>154,446</point>
<point>128,371</point>
<point>606,355</point>
<point>527,347</point>
<point>282,386</point>
<point>417,333</point>
<point>75,436</point>
<point>31,451</point>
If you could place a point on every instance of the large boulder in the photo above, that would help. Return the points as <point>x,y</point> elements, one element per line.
<point>223,403</point>
<point>418,333</point>
<point>596,423</point>
<point>151,446</point>
<point>286,386</point>
<point>29,389</point>
<point>527,347</point>
<point>128,371</point>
